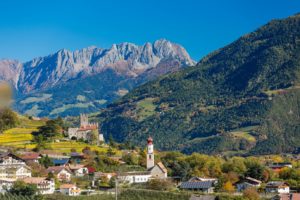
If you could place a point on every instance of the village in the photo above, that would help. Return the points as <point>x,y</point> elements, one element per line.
<point>76,174</point>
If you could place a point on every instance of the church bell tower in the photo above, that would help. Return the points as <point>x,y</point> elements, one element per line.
<point>150,153</point>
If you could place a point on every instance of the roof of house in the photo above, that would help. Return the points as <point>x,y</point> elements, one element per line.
<point>34,180</point>
<point>4,155</point>
<point>76,166</point>
<point>91,169</point>
<point>197,185</point>
<point>250,180</point>
<point>56,169</point>
<point>197,179</point>
<point>30,156</point>
<point>60,161</point>
<point>7,180</point>
<point>276,184</point>
<point>101,174</point>
<point>75,154</point>
<point>135,173</point>
<point>67,186</point>
<point>280,164</point>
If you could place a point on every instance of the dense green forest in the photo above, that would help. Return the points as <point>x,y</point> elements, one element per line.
<point>242,98</point>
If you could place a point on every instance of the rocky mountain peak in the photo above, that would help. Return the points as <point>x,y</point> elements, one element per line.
<point>126,58</point>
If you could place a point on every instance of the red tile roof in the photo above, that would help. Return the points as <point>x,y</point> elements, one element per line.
<point>30,156</point>
<point>91,169</point>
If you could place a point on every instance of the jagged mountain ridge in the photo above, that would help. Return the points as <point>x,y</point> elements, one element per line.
<point>67,83</point>
<point>126,59</point>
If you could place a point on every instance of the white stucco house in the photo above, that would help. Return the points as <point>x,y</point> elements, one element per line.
<point>70,190</point>
<point>135,177</point>
<point>44,185</point>
<point>78,170</point>
<point>61,173</point>
<point>13,167</point>
<point>277,187</point>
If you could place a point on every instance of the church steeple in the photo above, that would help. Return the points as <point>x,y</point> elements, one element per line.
<point>150,153</point>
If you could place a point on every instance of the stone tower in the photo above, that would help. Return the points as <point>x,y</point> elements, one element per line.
<point>150,153</point>
<point>84,120</point>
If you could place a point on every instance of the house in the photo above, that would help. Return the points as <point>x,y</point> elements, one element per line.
<point>70,190</point>
<point>29,157</point>
<point>98,175</point>
<point>290,196</point>
<point>57,158</point>
<point>6,184</point>
<point>60,161</point>
<point>280,165</point>
<point>201,186</point>
<point>135,177</point>
<point>91,170</point>
<point>76,157</point>
<point>61,173</point>
<point>87,131</point>
<point>198,179</point>
<point>277,187</point>
<point>78,170</point>
<point>13,167</point>
<point>247,183</point>
<point>44,185</point>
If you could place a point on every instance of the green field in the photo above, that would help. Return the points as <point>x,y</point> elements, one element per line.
<point>244,133</point>
<point>69,106</point>
<point>42,98</point>
<point>145,108</point>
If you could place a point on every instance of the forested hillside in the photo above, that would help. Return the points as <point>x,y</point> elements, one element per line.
<point>242,98</point>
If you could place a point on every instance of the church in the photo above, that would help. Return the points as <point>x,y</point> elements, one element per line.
<point>154,171</point>
<point>87,131</point>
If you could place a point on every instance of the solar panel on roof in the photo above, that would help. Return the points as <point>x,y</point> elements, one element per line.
<point>197,185</point>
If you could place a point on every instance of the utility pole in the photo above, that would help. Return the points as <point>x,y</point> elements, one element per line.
<point>116,188</point>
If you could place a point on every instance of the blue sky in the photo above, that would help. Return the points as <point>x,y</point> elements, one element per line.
<point>35,28</point>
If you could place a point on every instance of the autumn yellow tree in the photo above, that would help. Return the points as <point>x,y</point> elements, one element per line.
<point>251,194</point>
<point>228,187</point>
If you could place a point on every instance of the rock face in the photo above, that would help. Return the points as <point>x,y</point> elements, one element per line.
<point>88,76</point>
<point>125,59</point>
<point>10,70</point>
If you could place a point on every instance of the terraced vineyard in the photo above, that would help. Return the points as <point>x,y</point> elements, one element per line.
<point>21,137</point>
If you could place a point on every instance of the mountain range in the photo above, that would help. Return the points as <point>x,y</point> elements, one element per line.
<point>67,83</point>
<point>241,99</point>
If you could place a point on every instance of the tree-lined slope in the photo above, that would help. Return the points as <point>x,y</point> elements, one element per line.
<point>224,102</point>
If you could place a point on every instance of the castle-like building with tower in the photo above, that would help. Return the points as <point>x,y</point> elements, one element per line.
<point>87,131</point>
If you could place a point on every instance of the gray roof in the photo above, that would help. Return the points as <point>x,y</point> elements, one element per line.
<point>197,185</point>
